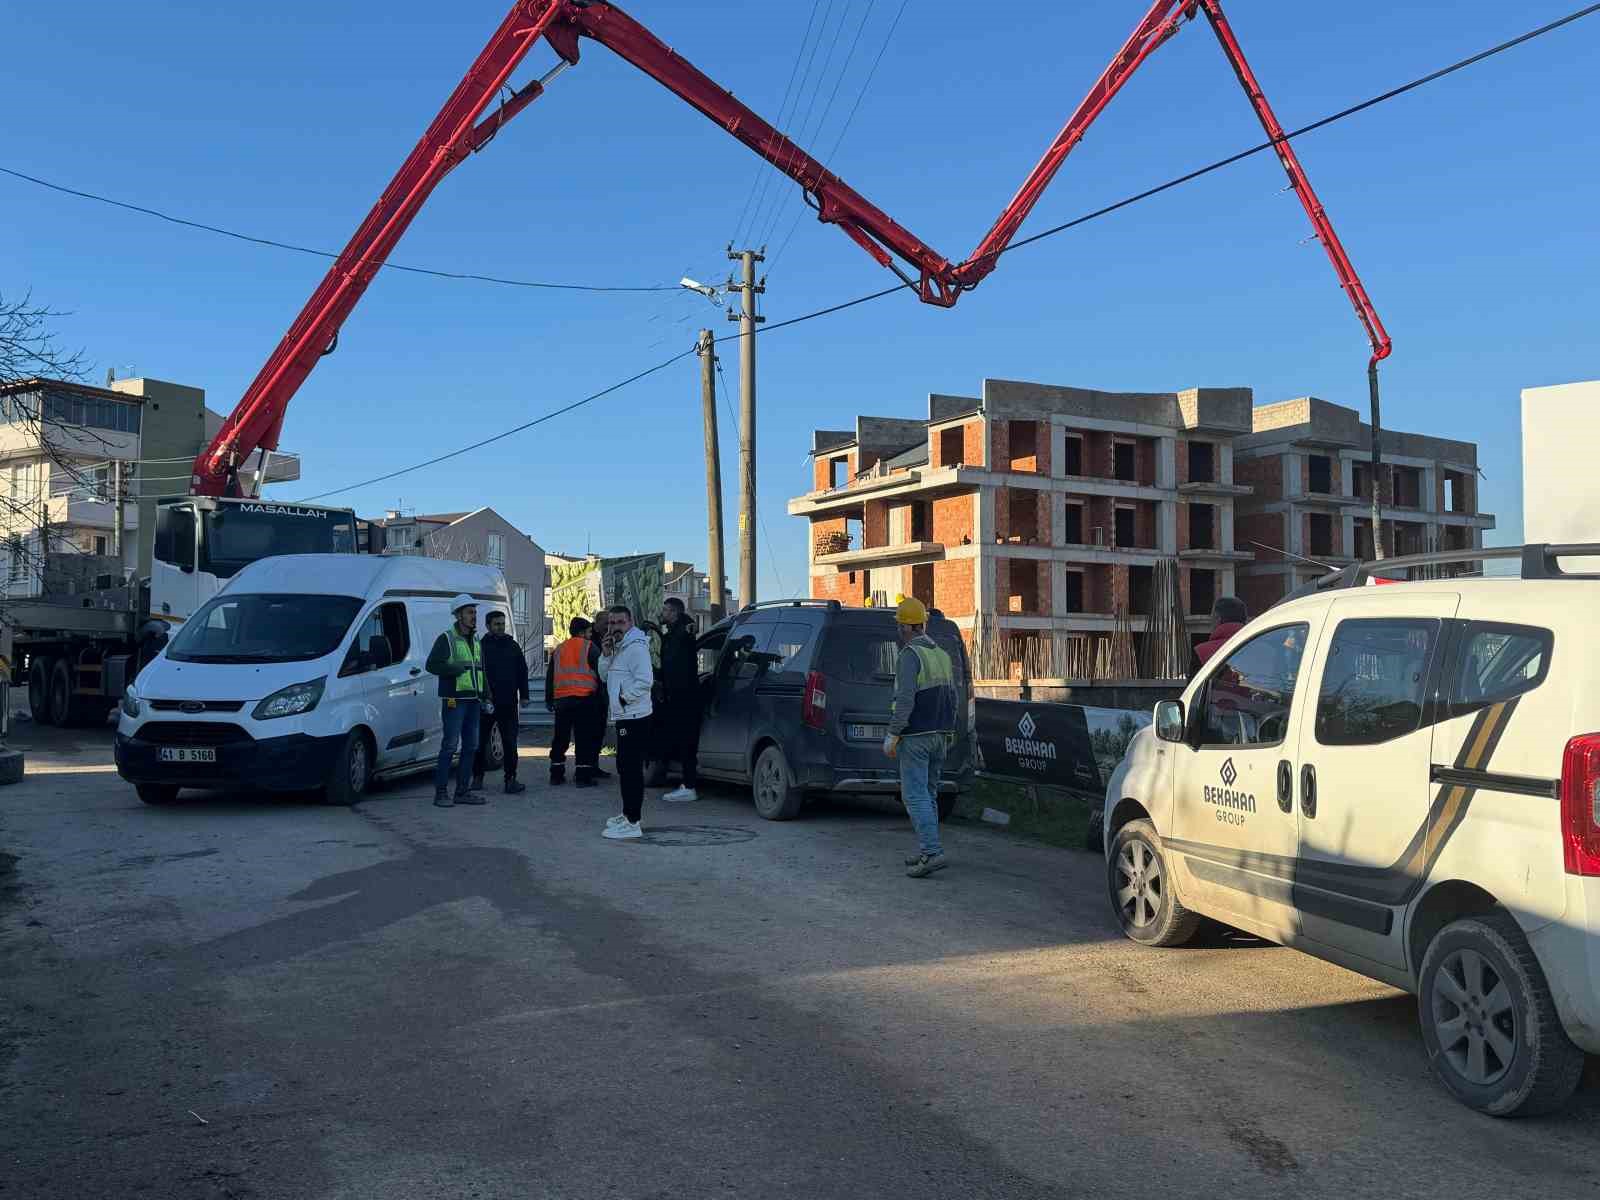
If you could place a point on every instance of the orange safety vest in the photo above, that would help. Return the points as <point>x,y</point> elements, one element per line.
<point>573,676</point>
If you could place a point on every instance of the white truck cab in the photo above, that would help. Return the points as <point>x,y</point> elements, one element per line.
<point>1403,780</point>
<point>304,671</point>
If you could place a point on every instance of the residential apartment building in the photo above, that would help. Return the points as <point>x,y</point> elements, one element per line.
<point>1308,463</point>
<point>480,536</point>
<point>67,449</point>
<point>693,587</point>
<point>1032,512</point>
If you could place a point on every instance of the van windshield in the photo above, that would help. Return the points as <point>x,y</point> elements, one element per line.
<point>264,628</point>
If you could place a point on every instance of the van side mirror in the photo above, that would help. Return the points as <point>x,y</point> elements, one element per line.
<point>1169,721</point>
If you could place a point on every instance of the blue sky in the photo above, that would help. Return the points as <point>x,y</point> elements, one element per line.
<point>1469,208</point>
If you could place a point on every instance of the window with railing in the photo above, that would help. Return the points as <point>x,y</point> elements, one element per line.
<point>497,550</point>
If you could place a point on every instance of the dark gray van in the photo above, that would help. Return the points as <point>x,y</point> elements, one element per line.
<point>797,696</point>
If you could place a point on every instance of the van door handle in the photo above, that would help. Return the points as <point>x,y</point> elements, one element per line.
<point>1308,791</point>
<point>1285,785</point>
<point>415,671</point>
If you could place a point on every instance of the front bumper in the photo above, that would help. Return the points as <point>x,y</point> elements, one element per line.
<point>292,763</point>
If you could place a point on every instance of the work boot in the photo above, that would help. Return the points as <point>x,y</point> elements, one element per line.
<point>513,787</point>
<point>441,799</point>
<point>924,865</point>
<point>470,797</point>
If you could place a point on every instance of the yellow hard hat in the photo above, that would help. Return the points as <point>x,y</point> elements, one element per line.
<point>910,611</point>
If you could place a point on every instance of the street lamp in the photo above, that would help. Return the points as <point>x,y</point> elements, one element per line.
<point>705,289</point>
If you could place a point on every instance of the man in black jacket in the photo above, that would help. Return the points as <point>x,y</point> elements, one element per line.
<point>678,717</point>
<point>506,670</point>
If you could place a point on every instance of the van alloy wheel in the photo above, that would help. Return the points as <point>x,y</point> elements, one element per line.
<point>1140,886</point>
<point>775,797</point>
<point>1474,1018</point>
<point>1143,884</point>
<point>360,768</point>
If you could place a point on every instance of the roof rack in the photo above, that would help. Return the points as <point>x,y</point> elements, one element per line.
<point>832,605</point>
<point>1537,560</point>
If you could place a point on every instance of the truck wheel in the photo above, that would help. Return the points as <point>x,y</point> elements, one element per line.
<point>60,699</point>
<point>157,793</point>
<point>1139,880</point>
<point>351,773</point>
<point>39,688</point>
<point>777,799</point>
<point>1489,1023</point>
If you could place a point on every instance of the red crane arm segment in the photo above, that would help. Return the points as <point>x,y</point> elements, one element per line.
<point>457,131</point>
<point>1342,266</point>
<point>257,419</point>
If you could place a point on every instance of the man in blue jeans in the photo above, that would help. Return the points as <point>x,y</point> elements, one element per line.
<point>922,727</point>
<point>457,660</point>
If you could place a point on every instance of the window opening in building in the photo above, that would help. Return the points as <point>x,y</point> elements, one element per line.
<point>1123,534</point>
<point>1074,452</point>
<point>1125,460</point>
<point>1202,527</point>
<point>1202,591</point>
<point>1202,462</point>
<point>1072,530</point>
<point>1319,469</point>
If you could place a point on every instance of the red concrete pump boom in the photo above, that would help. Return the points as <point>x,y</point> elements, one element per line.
<point>461,129</point>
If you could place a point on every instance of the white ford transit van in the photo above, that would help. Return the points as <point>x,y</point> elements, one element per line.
<point>305,671</point>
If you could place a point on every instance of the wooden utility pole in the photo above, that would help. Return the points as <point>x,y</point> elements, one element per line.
<point>708,406</point>
<point>748,320</point>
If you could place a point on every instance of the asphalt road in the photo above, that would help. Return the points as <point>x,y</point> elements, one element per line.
<point>267,998</point>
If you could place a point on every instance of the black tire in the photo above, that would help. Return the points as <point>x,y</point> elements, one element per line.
<point>772,787</point>
<point>59,701</point>
<point>1139,883</point>
<point>350,776</point>
<point>1489,1023</point>
<point>157,793</point>
<point>12,766</point>
<point>494,755</point>
<point>39,689</point>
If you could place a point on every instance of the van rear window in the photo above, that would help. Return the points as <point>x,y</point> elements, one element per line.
<point>866,654</point>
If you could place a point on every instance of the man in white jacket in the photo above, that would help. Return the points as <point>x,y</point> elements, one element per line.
<point>626,668</point>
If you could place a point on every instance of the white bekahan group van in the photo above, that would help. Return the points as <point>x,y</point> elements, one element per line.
<point>305,671</point>
<point>1403,780</point>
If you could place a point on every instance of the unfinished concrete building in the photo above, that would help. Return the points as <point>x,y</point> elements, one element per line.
<point>1035,512</point>
<point>1308,463</point>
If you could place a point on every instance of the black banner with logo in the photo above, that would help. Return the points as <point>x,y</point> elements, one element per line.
<point>1059,745</point>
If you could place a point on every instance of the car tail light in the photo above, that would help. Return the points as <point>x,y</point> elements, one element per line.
<point>814,704</point>
<point>1580,805</point>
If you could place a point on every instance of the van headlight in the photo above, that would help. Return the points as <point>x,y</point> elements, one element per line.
<point>290,701</point>
<point>130,702</point>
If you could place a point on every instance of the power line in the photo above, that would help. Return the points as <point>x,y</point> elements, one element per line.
<point>845,128</point>
<point>804,133</point>
<point>278,245</point>
<point>478,445</point>
<point>1342,114</point>
<point>762,174</point>
<point>758,220</point>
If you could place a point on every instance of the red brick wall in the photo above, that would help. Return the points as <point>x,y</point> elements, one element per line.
<point>952,588</point>
<point>874,524</point>
<point>823,526</point>
<point>1099,514</point>
<point>1266,528</point>
<point>1022,586</point>
<point>1261,592</point>
<point>1146,459</point>
<point>1183,520</point>
<point>1263,474</point>
<point>836,585</point>
<point>821,466</point>
<point>952,520</point>
<point>969,437</point>
<point>1144,524</point>
<point>999,445</point>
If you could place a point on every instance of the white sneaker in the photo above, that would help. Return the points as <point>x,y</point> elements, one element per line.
<point>679,795</point>
<point>625,830</point>
<point>619,819</point>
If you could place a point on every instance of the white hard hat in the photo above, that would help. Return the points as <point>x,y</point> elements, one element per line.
<point>462,601</point>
